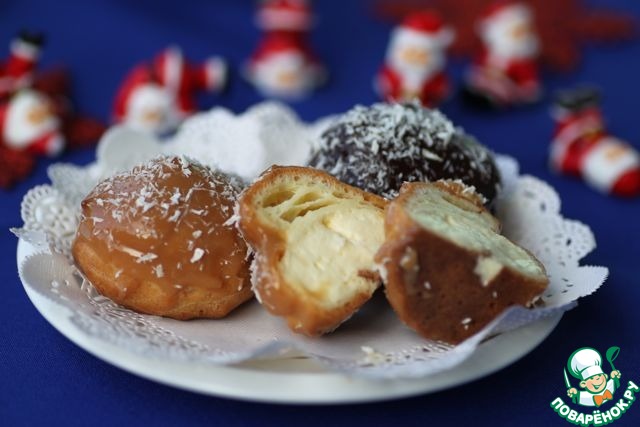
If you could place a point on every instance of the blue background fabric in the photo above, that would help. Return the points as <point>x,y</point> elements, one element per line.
<point>47,380</point>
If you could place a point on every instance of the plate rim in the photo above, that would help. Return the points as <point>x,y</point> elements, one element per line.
<point>258,384</point>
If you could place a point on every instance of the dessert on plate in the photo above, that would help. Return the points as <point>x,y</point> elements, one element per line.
<point>173,238</point>
<point>315,238</point>
<point>157,239</point>
<point>448,272</point>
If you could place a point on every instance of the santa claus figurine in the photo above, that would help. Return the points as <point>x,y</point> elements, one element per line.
<point>17,71</point>
<point>28,123</point>
<point>285,16</point>
<point>582,147</point>
<point>156,97</point>
<point>40,121</point>
<point>506,71</point>
<point>415,61</point>
<point>37,117</point>
<point>284,67</point>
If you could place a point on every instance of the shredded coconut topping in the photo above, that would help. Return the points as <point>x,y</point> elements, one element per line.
<point>146,258</point>
<point>137,213</point>
<point>377,148</point>
<point>167,202</point>
<point>158,270</point>
<point>197,255</point>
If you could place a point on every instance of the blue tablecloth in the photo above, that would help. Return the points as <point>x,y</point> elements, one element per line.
<point>47,380</point>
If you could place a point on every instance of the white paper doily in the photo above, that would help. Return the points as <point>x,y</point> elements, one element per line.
<point>373,344</point>
<point>290,378</point>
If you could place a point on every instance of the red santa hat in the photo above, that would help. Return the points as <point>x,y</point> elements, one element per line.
<point>504,12</point>
<point>426,28</point>
<point>275,44</point>
<point>278,56</point>
<point>140,83</point>
<point>284,15</point>
<point>139,76</point>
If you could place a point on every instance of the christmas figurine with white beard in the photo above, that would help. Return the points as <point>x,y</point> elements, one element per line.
<point>28,122</point>
<point>29,128</point>
<point>37,116</point>
<point>284,64</point>
<point>583,147</point>
<point>155,97</point>
<point>282,67</point>
<point>506,71</point>
<point>27,117</point>
<point>416,60</point>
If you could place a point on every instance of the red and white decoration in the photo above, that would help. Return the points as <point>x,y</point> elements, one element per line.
<point>37,116</point>
<point>156,97</point>
<point>582,147</point>
<point>284,15</point>
<point>284,67</point>
<point>17,71</point>
<point>506,71</point>
<point>28,123</point>
<point>416,60</point>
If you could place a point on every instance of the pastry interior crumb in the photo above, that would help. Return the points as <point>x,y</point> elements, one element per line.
<point>331,238</point>
<point>459,223</point>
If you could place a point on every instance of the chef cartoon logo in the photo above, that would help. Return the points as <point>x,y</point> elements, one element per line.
<point>591,386</point>
<point>597,387</point>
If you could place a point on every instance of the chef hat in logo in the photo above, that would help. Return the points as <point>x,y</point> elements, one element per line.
<point>585,363</point>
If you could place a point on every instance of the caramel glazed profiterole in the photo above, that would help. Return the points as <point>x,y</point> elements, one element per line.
<point>158,239</point>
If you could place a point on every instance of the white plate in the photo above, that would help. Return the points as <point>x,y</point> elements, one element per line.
<point>293,379</point>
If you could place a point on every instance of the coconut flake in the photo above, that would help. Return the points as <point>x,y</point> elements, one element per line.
<point>149,256</point>
<point>158,271</point>
<point>197,255</point>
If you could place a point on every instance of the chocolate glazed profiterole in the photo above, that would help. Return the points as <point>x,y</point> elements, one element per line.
<point>377,148</point>
<point>158,239</point>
